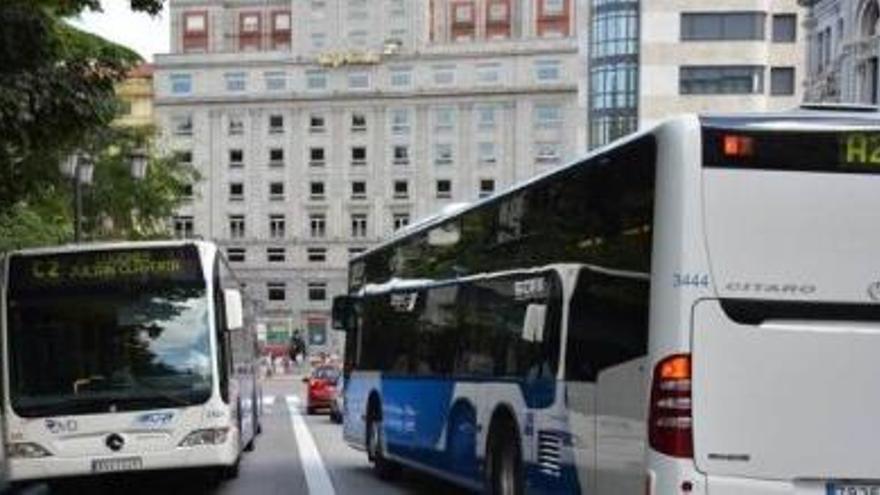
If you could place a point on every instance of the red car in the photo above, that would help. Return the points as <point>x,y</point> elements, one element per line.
<point>321,388</point>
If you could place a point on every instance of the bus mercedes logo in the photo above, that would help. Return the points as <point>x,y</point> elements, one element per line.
<point>114,442</point>
<point>874,291</point>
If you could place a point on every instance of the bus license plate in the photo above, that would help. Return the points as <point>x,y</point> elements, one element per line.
<point>116,464</point>
<point>852,489</point>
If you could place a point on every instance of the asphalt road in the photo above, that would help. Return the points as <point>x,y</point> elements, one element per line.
<point>295,454</point>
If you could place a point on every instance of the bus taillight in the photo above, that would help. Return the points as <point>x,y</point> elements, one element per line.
<point>735,146</point>
<point>670,423</point>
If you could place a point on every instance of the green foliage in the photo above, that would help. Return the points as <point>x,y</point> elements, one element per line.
<point>42,223</point>
<point>119,207</point>
<point>56,89</point>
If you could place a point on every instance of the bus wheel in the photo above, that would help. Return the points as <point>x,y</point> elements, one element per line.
<point>384,468</point>
<point>504,463</point>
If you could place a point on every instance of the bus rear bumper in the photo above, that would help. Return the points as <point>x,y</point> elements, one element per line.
<point>179,458</point>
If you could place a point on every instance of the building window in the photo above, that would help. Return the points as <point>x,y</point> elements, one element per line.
<point>785,28</point>
<point>548,70</point>
<point>553,8</point>
<point>464,13</point>
<point>184,227</point>
<point>276,157</point>
<point>358,225</point>
<point>547,154</point>
<point>358,190</point>
<point>277,226</point>
<point>444,189</point>
<point>275,255</point>
<point>401,154</point>
<point>400,220</point>
<point>236,191</point>
<point>181,84</point>
<point>281,30</point>
<point>486,153</point>
<point>250,26</point>
<point>276,291</point>
<point>316,190</point>
<point>487,188</point>
<point>318,40</point>
<point>317,254</point>
<point>236,226</point>
<point>236,81</point>
<point>615,32</point>
<point>186,192</point>
<point>357,37</point>
<point>498,12</point>
<point>488,73</point>
<point>317,291</point>
<point>548,116</point>
<point>195,32</point>
<point>276,124</point>
<point>276,191</point>
<point>399,121</point>
<point>358,122</point>
<point>317,124</point>
<point>486,117</point>
<point>444,119</point>
<point>356,251</point>
<point>721,80</point>
<point>443,154</point>
<point>358,156</point>
<point>614,86</point>
<point>236,158</point>
<point>726,26</point>
<point>236,126</point>
<point>401,189</point>
<point>358,80</point>
<point>401,77</point>
<point>318,225</point>
<point>182,125</point>
<point>444,75</point>
<point>185,158</point>
<point>316,79</point>
<point>316,157</point>
<point>235,254</point>
<point>782,81</point>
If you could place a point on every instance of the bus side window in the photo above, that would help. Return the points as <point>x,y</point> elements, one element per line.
<point>223,354</point>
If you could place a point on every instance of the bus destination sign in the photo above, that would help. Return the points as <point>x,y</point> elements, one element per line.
<point>861,150</point>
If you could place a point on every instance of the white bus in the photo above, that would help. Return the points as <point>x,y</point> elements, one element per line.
<point>126,357</point>
<point>692,310</point>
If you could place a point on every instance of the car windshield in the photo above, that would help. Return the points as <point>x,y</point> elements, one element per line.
<point>326,373</point>
<point>114,346</point>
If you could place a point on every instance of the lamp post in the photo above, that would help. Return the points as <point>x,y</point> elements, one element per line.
<point>80,169</point>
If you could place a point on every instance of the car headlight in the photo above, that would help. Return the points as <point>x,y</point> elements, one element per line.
<point>207,436</point>
<point>26,450</point>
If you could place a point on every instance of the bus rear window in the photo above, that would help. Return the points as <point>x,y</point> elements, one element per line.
<point>802,151</point>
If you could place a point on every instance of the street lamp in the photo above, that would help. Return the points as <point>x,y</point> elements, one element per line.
<point>80,169</point>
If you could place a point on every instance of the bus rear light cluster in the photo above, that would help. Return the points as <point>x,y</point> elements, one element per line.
<point>670,422</point>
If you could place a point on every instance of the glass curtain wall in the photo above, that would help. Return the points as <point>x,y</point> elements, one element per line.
<point>614,70</point>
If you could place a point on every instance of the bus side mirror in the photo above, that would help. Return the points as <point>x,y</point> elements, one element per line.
<point>533,324</point>
<point>343,313</point>
<point>234,309</point>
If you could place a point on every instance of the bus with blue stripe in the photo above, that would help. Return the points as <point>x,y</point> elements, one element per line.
<point>692,309</point>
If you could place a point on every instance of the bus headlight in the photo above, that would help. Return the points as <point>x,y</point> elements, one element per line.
<point>207,436</point>
<point>26,450</point>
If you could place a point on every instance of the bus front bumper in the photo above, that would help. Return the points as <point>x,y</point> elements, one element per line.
<point>123,462</point>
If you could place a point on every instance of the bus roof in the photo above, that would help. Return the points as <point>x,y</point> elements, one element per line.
<point>807,118</point>
<point>109,246</point>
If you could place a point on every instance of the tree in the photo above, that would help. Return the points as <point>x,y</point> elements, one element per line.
<point>56,88</point>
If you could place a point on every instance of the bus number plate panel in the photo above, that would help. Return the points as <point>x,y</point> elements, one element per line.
<point>852,489</point>
<point>117,464</point>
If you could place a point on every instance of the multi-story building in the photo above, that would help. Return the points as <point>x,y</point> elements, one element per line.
<point>136,96</point>
<point>321,126</point>
<point>649,60</point>
<point>843,46</point>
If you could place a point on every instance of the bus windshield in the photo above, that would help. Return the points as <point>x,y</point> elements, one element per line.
<point>107,345</point>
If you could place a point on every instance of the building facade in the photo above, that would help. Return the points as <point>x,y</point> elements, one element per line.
<point>651,60</point>
<point>322,126</point>
<point>843,51</point>
<point>136,96</point>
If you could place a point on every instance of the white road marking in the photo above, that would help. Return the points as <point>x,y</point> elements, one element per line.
<point>317,477</point>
